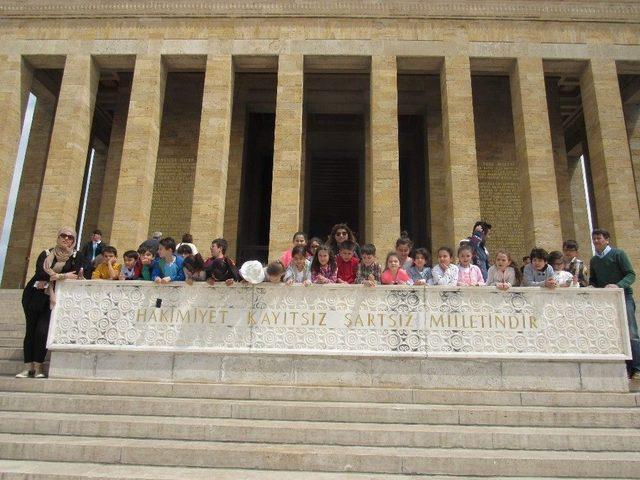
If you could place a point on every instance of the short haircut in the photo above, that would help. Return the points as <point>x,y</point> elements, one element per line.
<point>275,268</point>
<point>554,257</point>
<point>540,253</point>
<point>601,231</point>
<point>110,249</point>
<point>347,245</point>
<point>446,249</point>
<point>185,250</point>
<point>147,248</point>
<point>425,254</point>
<point>222,244</point>
<point>168,243</point>
<point>187,238</point>
<point>97,232</point>
<point>368,249</point>
<point>465,247</point>
<point>570,245</point>
<point>299,250</point>
<point>131,254</point>
<point>525,258</point>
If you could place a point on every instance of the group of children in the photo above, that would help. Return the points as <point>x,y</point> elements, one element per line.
<point>341,260</point>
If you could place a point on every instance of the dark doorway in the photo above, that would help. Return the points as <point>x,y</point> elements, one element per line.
<point>255,203</point>
<point>335,153</point>
<point>414,185</point>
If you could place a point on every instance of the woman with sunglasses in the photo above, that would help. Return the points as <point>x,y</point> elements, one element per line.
<point>339,233</point>
<point>61,262</point>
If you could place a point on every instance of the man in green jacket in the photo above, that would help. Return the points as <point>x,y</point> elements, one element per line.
<point>610,268</point>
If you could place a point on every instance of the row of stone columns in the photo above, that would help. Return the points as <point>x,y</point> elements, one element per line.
<point>132,179</point>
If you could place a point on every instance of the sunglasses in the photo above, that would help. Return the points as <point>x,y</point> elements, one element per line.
<point>64,236</point>
<point>341,234</point>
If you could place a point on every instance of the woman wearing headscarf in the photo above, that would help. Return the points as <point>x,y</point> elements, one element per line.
<point>38,298</point>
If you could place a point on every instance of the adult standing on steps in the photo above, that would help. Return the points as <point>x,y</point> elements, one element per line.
<point>61,262</point>
<point>610,268</point>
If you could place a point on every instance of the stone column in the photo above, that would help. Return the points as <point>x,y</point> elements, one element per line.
<point>210,187</point>
<point>540,207</point>
<point>610,160</point>
<point>62,185</point>
<point>15,267</point>
<point>15,81</point>
<point>139,154</point>
<point>437,203</point>
<point>384,172</point>
<point>561,164</point>
<point>286,191</point>
<point>112,166</point>
<point>462,193</point>
<point>234,181</point>
<point>632,120</point>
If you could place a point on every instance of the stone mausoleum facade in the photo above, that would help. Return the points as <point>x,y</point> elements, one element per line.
<point>251,120</point>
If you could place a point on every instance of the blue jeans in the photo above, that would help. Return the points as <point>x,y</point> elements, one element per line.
<point>634,364</point>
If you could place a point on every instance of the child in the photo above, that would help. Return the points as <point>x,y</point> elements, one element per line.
<point>299,270</point>
<point>469,275</point>
<point>445,272</point>
<point>219,267</point>
<point>560,276</point>
<point>394,274</point>
<point>403,249</point>
<point>420,271</point>
<point>274,272</point>
<point>129,270</point>
<point>109,268</point>
<point>193,267</point>
<point>144,266</point>
<point>313,245</point>
<point>323,266</point>
<point>369,270</point>
<point>573,264</point>
<point>538,273</point>
<point>504,274</point>
<point>299,238</point>
<point>346,263</point>
<point>168,267</point>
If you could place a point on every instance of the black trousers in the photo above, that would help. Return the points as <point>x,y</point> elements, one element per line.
<point>37,315</point>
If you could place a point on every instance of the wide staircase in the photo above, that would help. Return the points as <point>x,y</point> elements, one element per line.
<point>80,429</point>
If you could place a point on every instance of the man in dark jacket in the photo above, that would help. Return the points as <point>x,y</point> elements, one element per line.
<point>90,251</point>
<point>478,238</point>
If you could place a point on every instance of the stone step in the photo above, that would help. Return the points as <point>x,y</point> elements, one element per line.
<point>12,327</point>
<point>12,333</point>
<point>11,367</point>
<point>596,417</point>
<point>11,342</point>
<point>321,433</point>
<point>11,353</point>
<point>320,393</point>
<point>321,458</point>
<point>30,470</point>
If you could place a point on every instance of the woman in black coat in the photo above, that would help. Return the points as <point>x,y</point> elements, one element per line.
<point>58,263</point>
